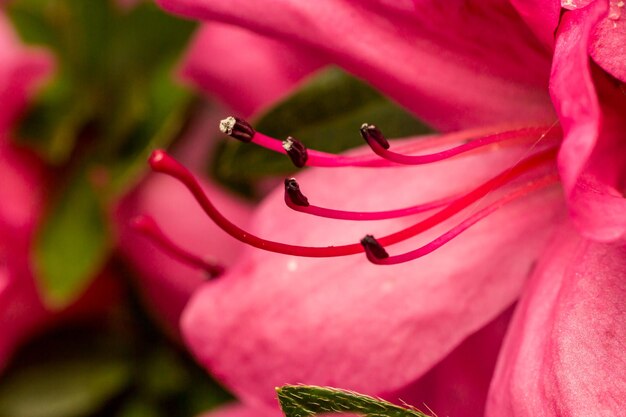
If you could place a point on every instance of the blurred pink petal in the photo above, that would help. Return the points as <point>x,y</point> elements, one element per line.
<point>564,355</point>
<point>408,50</point>
<point>542,16</point>
<point>21,69</point>
<point>276,319</point>
<point>243,69</point>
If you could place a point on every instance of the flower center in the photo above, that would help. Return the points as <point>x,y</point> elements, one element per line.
<point>534,164</point>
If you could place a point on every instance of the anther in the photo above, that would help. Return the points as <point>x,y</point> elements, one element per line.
<point>296,151</point>
<point>373,249</point>
<point>372,133</point>
<point>237,128</point>
<point>293,194</point>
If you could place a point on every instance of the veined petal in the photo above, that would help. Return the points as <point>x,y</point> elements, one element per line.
<point>437,59</point>
<point>21,70</point>
<point>245,70</point>
<point>243,410</point>
<point>276,319</point>
<point>564,354</point>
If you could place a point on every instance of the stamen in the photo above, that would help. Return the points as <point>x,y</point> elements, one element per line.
<point>398,158</point>
<point>149,228</point>
<point>373,136</point>
<point>380,256</point>
<point>373,249</point>
<point>294,196</point>
<point>296,151</point>
<point>371,133</point>
<point>160,161</point>
<point>237,128</point>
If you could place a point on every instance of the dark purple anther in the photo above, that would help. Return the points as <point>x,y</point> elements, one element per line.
<point>237,128</point>
<point>293,193</point>
<point>373,248</point>
<point>371,133</point>
<point>296,151</point>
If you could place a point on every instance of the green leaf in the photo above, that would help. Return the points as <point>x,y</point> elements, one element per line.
<point>306,401</point>
<point>73,243</point>
<point>70,387</point>
<point>325,114</point>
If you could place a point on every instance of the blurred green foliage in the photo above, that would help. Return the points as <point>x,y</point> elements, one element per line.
<point>111,100</point>
<point>119,366</point>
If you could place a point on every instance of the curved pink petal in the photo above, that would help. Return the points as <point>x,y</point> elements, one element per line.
<point>592,150</point>
<point>276,319</point>
<point>21,69</point>
<point>458,385</point>
<point>608,41</point>
<point>435,59</point>
<point>243,69</point>
<point>564,355</point>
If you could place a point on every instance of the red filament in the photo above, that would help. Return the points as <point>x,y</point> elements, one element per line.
<point>454,232</point>
<point>149,228</point>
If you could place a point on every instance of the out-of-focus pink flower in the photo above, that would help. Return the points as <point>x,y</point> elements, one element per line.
<point>377,330</point>
<point>23,192</point>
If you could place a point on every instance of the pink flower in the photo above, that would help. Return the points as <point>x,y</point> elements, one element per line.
<point>275,319</point>
<point>24,180</point>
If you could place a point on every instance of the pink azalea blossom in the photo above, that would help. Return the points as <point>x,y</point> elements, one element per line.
<point>24,180</point>
<point>493,69</point>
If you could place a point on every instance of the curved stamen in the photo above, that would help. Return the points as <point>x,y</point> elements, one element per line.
<point>380,146</point>
<point>376,252</point>
<point>149,228</point>
<point>160,161</point>
<point>294,200</point>
<point>328,160</point>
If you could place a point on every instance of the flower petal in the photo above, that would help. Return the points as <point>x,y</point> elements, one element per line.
<point>542,16</point>
<point>245,70</point>
<point>591,159</point>
<point>437,60</point>
<point>242,410</point>
<point>564,355</point>
<point>22,69</point>
<point>276,319</point>
<point>458,385</point>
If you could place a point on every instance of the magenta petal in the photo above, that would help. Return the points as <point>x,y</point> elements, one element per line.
<point>21,69</point>
<point>243,69</point>
<point>573,92</point>
<point>408,51</point>
<point>542,16</point>
<point>277,319</point>
<point>564,355</point>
